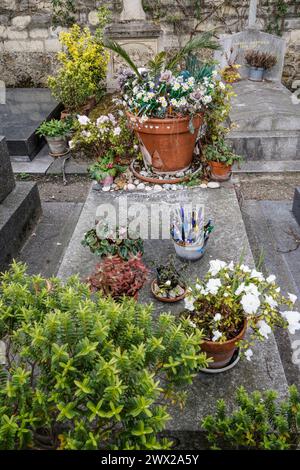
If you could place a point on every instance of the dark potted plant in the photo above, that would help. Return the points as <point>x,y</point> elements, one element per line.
<point>169,285</point>
<point>117,278</point>
<point>55,132</point>
<point>165,105</point>
<point>230,299</point>
<point>104,242</point>
<point>220,158</point>
<point>258,63</point>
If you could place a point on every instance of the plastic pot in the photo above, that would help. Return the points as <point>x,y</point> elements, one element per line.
<point>57,145</point>
<point>256,74</point>
<point>167,145</point>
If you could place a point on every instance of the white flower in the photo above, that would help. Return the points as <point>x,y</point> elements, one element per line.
<point>192,324</point>
<point>293,319</point>
<point>240,289</point>
<point>217,317</point>
<point>102,120</point>
<point>250,303</point>
<point>117,131</point>
<point>215,73</point>
<point>257,275</point>
<point>264,328</point>
<point>163,101</point>
<point>174,102</point>
<point>120,112</point>
<point>168,283</point>
<point>86,134</point>
<point>207,99</point>
<point>176,86</point>
<point>271,279</point>
<point>144,118</point>
<point>191,81</point>
<point>292,297</point>
<point>139,95</point>
<point>71,144</point>
<point>216,335</point>
<point>222,86</point>
<point>248,354</point>
<point>216,266</point>
<point>213,286</point>
<point>151,84</point>
<point>252,289</point>
<point>245,268</point>
<point>83,120</point>
<point>189,303</point>
<point>269,299</point>
<point>231,265</point>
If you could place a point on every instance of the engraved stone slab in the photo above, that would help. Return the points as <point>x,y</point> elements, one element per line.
<point>253,39</point>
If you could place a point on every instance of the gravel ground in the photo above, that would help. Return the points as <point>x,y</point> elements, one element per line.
<point>267,187</point>
<point>53,189</point>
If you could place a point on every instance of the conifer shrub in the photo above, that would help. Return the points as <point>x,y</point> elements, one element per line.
<point>85,372</point>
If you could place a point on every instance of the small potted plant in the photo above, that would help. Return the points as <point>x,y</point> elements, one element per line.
<point>104,242</point>
<point>169,285</point>
<point>230,300</point>
<point>55,132</point>
<point>220,159</point>
<point>258,63</point>
<point>117,278</point>
<point>104,170</point>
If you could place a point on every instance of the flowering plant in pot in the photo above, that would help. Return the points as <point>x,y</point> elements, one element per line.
<point>220,158</point>
<point>169,285</point>
<point>105,169</point>
<point>117,277</point>
<point>81,72</point>
<point>230,300</point>
<point>55,132</point>
<point>103,241</point>
<point>230,73</point>
<point>104,134</point>
<point>165,105</point>
<point>258,63</point>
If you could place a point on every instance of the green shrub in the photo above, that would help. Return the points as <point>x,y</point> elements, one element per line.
<point>259,422</point>
<point>84,372</point>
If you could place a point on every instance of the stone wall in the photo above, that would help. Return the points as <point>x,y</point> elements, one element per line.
<point>29,42</point>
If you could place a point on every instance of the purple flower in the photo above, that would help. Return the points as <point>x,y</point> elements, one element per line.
<point>166,76</point>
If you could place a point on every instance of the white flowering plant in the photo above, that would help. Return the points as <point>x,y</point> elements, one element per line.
<point>231,294</point>
<point>104,134</point>
<point>168,94</point>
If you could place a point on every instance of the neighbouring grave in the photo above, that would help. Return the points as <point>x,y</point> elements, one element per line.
<point>20,116</point>
<point>20,207</point>
<point>296,205</point>
<point>228,242</point>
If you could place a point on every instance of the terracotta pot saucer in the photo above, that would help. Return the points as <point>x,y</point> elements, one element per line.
<point>166,299</point>
<point>154,180</point>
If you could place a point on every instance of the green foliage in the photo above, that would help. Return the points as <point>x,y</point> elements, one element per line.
<point>276,17</point>
<point>54,128</point>
<point>104,167</point>
<point>123,243</point>
<point>82,71</point>
<point>63,12</point>
<point>220,152</point>
<point>258,423</point>
<point>84,372</point>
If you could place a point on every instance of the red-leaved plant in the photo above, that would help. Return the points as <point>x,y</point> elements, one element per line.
<point>117,277</point>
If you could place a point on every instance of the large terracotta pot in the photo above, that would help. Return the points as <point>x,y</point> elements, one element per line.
<point>220,171</point>
<point>167,145</point>
<point>222,353</point>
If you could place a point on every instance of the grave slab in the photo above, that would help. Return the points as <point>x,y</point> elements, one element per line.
<point>39,165</point>
<point>268,122</point>
<point>7,182</point>
<point>296,205</point>
<point>228,242</point>
<point>25,109</point>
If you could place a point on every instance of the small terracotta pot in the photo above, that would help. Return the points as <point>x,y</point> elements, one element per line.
<point>165,299</point>
<point>220,171</point>
<point>222,353</point>
<point>64,114</point>
<point>107,181</point>
<point>167,145</point>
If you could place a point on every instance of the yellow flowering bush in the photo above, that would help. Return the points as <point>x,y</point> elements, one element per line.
<point>83,63</point>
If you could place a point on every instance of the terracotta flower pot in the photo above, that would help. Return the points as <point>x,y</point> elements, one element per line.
<point>165,299</point>
<point>107,181</point>
<point>222,353</point>
<point>167,145</point>
<point>220,171</point>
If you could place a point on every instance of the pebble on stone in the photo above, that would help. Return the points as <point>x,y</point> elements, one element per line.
<point>106,188</point>
<point>131,187</point>
<point>141,186</point>
<point>203,186</point>
<point>213,185</point>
